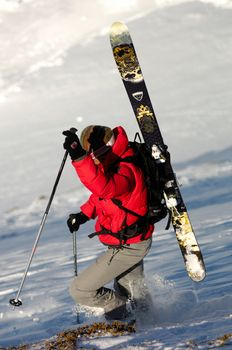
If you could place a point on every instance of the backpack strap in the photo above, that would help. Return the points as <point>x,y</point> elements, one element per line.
<point>136,229</point>
<point>119,204</point>
<point>142,223</point>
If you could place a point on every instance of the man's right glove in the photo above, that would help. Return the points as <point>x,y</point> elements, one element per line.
<point>75,220</point>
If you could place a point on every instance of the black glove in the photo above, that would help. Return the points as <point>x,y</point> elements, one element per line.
<point>72,145</point>
<point>75,220</point>
<point>96,138</point>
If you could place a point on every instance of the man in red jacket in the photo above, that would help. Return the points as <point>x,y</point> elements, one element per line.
<point>99,158</point>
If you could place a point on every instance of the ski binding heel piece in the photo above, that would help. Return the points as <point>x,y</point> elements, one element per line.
<point>157,154</point>
<point>170,195</point>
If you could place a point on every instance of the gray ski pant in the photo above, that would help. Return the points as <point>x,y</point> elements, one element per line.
<point>124,266</point>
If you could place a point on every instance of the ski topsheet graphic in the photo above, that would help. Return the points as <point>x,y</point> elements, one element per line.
<point>132,77</point>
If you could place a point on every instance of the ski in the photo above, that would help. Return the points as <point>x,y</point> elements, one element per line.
<point>132,77</point>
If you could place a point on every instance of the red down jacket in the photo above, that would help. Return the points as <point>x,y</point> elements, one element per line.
<point>126,184</point>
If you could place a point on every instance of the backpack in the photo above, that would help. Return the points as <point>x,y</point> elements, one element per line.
<point>156,176</point>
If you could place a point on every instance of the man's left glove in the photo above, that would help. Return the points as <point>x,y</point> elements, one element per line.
<point>72,145</point>
<point>75,220</point>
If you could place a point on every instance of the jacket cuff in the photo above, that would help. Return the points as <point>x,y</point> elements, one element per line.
<point>80,158</point>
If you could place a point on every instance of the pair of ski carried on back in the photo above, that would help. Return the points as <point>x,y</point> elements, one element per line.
<point>153,157</point>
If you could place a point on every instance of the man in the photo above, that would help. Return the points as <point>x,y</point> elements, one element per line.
<point>98,160</point>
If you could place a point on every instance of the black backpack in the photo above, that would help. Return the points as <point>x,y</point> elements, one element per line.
<point>156,176</point>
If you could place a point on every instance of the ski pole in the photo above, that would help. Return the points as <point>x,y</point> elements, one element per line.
<point>16,301</point>
<point>75,252</point>
<point>75,266</point>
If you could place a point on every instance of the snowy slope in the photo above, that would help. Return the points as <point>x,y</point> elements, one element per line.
<point>183,310</point>
<point>51,78</point>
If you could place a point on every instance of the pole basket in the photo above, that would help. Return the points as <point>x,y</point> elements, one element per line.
<point>15,302</point>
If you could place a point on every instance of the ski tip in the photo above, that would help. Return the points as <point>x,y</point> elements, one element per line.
<point>118,28</point>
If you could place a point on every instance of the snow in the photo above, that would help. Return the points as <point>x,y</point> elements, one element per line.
<point>57,71</point>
